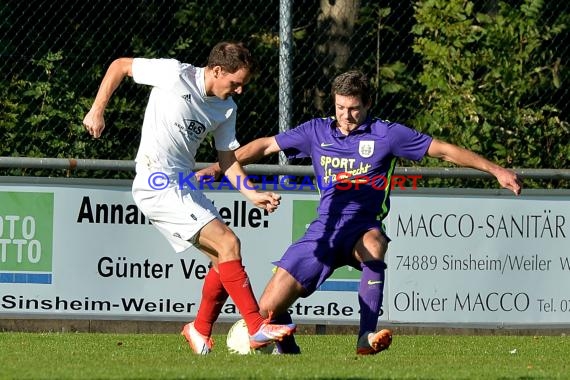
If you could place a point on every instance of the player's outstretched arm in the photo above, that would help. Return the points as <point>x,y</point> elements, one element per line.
<point>234,173</point>
<point>94,120</point>
<point>247,154</point>
<point>463,157</point>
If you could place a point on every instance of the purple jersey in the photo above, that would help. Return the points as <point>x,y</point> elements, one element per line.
<point>353,172</point>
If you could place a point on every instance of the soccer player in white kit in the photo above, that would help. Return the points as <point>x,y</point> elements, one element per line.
<point>185,104</point>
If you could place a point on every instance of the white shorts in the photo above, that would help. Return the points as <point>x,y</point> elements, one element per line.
<point>178,213</point>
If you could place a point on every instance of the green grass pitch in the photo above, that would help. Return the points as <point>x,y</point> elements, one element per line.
<point>167,356</point>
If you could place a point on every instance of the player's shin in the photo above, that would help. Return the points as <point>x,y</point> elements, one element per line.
<point>213,298</point>
<point>236,282</point>
<point>370,294</point>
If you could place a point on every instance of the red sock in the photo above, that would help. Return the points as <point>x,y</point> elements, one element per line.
<point>236,282</point>
<point>213,298</point>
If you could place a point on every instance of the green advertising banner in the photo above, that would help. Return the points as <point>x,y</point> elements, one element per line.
<point>26,237</point>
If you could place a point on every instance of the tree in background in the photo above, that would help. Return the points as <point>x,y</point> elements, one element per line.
<point>489,80</point>
<point>491,75</point>
<point>55,55</point>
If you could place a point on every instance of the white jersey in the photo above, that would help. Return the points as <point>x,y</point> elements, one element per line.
<point>179,115</point>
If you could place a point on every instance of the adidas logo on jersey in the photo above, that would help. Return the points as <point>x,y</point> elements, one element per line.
<point>187,97</point>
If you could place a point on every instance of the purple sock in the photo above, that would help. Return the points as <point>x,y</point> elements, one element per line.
<point>288,345</point>
<point>370,294</point>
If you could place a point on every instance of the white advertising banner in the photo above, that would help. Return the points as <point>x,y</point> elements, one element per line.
<point>480,259</point>
<point>83,250</point>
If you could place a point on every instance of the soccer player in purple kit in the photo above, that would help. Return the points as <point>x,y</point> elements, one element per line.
<point>348,229</point>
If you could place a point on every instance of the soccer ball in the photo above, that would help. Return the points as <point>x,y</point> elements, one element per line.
<point>238,341</point>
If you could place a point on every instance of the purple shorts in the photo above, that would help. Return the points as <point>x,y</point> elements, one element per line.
<point>328,244</point>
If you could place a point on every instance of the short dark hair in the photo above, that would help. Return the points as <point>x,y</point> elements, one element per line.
<point>231,56</point>
<point>352,83</point>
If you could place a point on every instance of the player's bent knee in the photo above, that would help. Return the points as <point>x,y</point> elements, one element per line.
<point>229,247</point>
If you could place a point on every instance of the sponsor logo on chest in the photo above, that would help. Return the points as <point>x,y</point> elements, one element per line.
<point>192,128</point>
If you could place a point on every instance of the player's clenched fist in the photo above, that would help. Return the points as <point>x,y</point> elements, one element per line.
<point>268,201</point>
<point>94,123</point>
